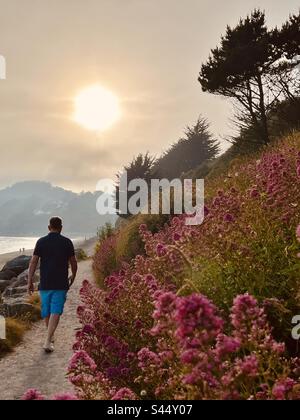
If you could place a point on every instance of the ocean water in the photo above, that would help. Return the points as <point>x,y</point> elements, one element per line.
<point>13,244</point>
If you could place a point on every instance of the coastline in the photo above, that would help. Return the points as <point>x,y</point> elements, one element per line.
<point>4,258</point>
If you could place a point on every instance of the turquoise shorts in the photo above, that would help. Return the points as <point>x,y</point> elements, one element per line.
<point>53,302</point>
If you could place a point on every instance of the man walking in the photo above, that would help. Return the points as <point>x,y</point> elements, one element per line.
<point>55,253</point>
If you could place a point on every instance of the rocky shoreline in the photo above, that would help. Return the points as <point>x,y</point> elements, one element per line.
<point>13,288</point>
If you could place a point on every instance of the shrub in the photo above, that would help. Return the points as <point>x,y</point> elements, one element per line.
<point>105,232</point>
<point>104,260</point>
<point>81,254</point>
<point>176,347</point>
<point>130,243</point>
<point>119,247</point>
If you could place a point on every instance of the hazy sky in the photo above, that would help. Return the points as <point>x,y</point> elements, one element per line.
<point>148,52</point>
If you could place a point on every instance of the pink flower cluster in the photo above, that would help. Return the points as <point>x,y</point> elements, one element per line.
<point>34,395</point>
<point>185,354</point>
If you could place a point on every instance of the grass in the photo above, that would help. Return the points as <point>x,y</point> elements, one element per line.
<point>81,255</point>
<point>35,300</point>
<point>15,330</point>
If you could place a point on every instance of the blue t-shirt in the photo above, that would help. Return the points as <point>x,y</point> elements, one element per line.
<point>54,251</point>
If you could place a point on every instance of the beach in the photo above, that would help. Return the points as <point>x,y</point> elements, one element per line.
<point>8,256</point>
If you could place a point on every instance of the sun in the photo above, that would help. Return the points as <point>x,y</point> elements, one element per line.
<point>96,108</point>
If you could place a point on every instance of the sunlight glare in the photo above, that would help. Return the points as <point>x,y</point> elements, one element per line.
<point>96,108</point>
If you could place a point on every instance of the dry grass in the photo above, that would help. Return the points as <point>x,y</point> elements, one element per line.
<point>15,330</point>
<point>35,300</point>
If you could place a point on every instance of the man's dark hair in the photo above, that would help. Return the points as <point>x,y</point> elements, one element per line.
<point>55,223</point>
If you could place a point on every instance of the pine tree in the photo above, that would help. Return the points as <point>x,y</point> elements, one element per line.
<point>140,168</point>
<point>195,148</point>
<point>248,67</point>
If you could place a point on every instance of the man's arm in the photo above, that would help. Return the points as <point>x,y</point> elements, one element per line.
<point>74,268</point>
<point>32,268</point>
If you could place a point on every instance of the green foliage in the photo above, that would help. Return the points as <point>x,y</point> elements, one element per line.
<point>256,67</point>
<point>140,168</point>
<point>283,120</point>
<point>105,232</point>
<point>123,245</point>
<point>130,243</point>
<point>196,148</point>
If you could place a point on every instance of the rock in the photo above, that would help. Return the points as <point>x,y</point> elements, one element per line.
<point>18,265</point>
<point>7,274</point>
<point>17,309</point>
<point>14,292</point>
<point>23,279</point>
<point>4,284</point>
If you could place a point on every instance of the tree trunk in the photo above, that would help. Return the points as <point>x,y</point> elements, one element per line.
<point>263,114</point>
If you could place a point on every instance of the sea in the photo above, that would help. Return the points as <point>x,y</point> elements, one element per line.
<point>14,244</point>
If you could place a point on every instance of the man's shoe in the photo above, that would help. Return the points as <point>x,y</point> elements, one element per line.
<point>49,349</point>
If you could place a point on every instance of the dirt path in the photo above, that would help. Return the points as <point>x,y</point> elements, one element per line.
<point>29,367</point>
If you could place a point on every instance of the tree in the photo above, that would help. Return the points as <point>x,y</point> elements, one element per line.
<point>195,148</point>
<point>286,72</point>
<point>140,168</point>
<point>252,66</point>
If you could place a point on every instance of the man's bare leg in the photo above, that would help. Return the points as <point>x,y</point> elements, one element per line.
<point>47,325</point>
<point>53,322</point>
<point>47,321</point>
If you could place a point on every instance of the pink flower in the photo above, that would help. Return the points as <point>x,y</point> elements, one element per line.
<point>245,307</point>
<point>282,388</point>
<point>88,329</point>
<point>254,193</point>
<point>196,316</point>
<point>248,366</point>
<point>164,305</point>
<point>147,357</point>
<point>143,228</point>
<point>226,345</point>
<point>65,397</point>
<point>189,356</point>
<point>176,237</point>
<point>33,395</point>
<point>228,218</point>
<point>206,211</point>
<point>161,250</point>
<point>125,394</point>
<point>81,358</point>
<point>80,310</point>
